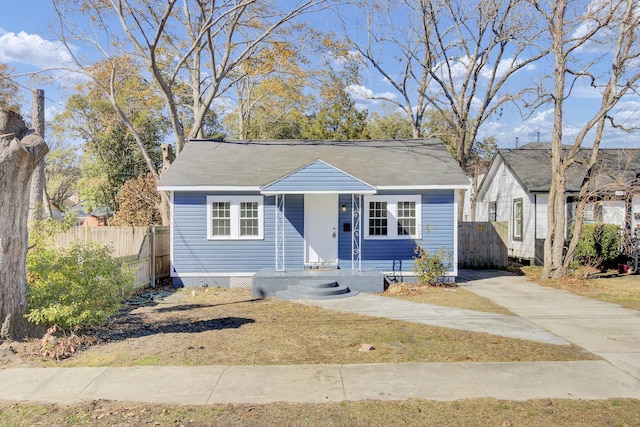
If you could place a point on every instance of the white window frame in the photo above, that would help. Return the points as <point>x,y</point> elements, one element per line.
<point>518,223</point>
<point>392,216</point>
<point>234,202</point>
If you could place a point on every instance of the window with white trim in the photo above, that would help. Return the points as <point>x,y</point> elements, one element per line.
<point>517,219</point>
<point>235,217</point>
<point>392,217</point>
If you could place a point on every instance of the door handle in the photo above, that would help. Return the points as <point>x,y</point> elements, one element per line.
<point>334,233</point>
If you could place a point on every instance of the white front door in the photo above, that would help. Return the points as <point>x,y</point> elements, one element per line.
<point>321,228</point>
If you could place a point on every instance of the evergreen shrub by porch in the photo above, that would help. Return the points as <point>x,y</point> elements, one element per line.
<point>599,244</point>
<point>430,266</point>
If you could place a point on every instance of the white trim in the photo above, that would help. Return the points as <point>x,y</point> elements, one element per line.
<point>455,233</point>
<point>230,188</point>
<point>227,274</point>
<point>254,188</point>
<point>392,212</point>
<point>424,187</point>
<point>300,192</point>
<point>171,231</point>
<point>234,202</point>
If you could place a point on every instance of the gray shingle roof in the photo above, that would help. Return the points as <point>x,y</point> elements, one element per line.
<point>257,163</point>
<point>532,165</point>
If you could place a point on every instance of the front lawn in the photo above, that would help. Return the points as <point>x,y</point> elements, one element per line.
<point>618,289</point>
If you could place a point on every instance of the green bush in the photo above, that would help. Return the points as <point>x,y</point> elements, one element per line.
<point>599,243</point>
<point>75,288</point>
<point>430,266</point>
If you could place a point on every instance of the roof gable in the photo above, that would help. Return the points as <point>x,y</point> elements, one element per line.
<point>317,177</point>
<point>411,163</point>
<point>531,166</point>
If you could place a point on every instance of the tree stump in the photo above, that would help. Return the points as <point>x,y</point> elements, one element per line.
<point>18,159</point>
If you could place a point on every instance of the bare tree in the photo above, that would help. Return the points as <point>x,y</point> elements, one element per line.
<point>192,46</point>
<point>571,29</point>
<point>19,154</point>
<point>456,58</point>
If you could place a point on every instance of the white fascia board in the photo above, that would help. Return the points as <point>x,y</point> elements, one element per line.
<point>425,187</point>
<point>300,192</point>
<point>227,188</point>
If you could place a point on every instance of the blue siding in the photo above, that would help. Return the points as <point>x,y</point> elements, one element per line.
<point>194,253</point>
<point>397,255</point>
<point>318,176</point>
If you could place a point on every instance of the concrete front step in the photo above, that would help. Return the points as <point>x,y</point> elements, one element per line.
<point>316,289</point>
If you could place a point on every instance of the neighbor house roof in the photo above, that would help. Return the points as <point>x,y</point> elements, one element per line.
<point>531,164</point>
<point>393,163</point>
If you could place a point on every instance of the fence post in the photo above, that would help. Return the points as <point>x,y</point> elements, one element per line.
<point>152,255</point>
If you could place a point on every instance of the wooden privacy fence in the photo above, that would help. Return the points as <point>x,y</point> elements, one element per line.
<point>144,249</point>
<point>483,244</point>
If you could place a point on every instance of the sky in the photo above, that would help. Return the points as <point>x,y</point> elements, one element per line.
<point>28,43</point>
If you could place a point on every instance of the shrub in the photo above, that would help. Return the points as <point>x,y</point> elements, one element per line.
<point>75,288</point>
<point>430,266</point>
<point>598,244</point>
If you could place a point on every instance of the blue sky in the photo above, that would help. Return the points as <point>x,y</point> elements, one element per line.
<point>28,43</point>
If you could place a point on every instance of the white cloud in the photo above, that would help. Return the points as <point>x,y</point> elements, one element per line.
<point>51,111</point>
<point>363,95</point>
<point>222,105</point>
<point>33,50</point>
<point>503,67</point>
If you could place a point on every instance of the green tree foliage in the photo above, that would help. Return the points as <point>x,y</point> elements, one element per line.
<point>138,202</point>
<point>9,91</point>
<point>388,125</point>
<point>73,288</point>
<point>111,156</point>
<point>599,243</point>
<point>338,118</point>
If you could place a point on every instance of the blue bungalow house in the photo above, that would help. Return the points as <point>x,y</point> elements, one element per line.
<point>265,214</point>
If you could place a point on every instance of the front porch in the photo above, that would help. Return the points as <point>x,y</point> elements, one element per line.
<point>268,281</point>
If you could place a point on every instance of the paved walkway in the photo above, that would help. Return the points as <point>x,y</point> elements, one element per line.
<point>544,314</point>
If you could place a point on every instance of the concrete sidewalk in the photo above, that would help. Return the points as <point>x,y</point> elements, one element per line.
<point>544,314</point>
<point>320,383</point>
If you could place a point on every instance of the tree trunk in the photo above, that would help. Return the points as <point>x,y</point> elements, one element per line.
<point>18,159</point>
<point>36,198</point>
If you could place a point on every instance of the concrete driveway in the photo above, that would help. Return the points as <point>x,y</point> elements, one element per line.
<point>607,330</point>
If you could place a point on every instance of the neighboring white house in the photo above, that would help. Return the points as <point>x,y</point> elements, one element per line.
<point>516,189</point>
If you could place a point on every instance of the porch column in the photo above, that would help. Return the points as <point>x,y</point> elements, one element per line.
<point>356,231</point>
<point>279,232</point>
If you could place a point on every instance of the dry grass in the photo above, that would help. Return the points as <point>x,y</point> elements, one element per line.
<point>229,327</point>
<point>473,412</point>
<point>450,296</point>
<point>623,289</point>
